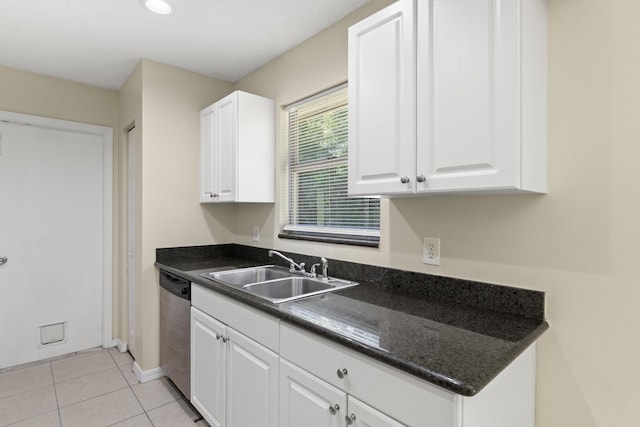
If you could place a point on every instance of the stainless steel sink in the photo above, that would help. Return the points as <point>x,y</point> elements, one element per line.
<point>287,289</point>
<point>245,276</point>
<point>276,284</point>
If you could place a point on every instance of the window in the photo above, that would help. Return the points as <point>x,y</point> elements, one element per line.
<point>318,207</point>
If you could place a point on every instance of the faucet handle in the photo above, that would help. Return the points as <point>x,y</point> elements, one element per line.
<point>312,272</point>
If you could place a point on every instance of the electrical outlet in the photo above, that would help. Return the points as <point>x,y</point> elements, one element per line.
<point>256,234</point>
<point>431,251</point>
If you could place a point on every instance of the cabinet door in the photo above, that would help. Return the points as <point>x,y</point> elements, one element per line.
<point>469,112</point>
<point>208,367</point>
<point>225,147</point>
<point>252,383</point>
<point>362,415</point>
<point>382,125</point>
<point>308,401</point>
<point>207,189</point>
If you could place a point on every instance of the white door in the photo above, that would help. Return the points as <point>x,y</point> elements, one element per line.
<point>208,360</point>
<point>252,383</point>
<point>468,94</point>
<point>52,234</point>
<point>382,146</point>
<point>207,167</point>
<point>306,400</point>
<point>225,147</point>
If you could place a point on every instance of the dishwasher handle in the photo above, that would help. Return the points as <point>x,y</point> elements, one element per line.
<point>177,285</point>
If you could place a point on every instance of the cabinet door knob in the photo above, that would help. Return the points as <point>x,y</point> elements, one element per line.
<point>350,419</point>
<point>218,336</point>
<point>342,373</point>
<point>225,339</point>
<point>421,178</point>
<point>404,179</point>
<point>334,409</point>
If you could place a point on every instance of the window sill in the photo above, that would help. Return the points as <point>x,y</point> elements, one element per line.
<point>340,239</point>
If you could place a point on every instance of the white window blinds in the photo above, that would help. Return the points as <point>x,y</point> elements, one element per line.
<point>317,169</point>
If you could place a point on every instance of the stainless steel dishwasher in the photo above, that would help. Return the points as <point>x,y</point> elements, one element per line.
<point>175,306</point>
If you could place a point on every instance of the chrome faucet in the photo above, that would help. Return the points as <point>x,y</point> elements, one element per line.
<point>293,266</point>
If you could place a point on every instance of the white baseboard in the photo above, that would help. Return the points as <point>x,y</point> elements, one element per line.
<point>146,376</point>
<point>122,346</point>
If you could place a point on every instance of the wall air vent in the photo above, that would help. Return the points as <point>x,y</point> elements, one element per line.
<point>53,333</point>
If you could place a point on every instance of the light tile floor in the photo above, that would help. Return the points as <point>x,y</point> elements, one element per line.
<point>93,388</point>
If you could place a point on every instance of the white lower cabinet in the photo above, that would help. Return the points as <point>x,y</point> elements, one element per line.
<point>234,380</point>
<point>306,400</point>
<point>248,369</point>
<point>378,395</point>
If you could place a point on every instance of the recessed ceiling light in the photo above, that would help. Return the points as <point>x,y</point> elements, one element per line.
<point>160,7</point>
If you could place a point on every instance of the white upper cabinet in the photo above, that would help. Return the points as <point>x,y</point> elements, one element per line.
<point>479,123</point>
<point>237,150</point>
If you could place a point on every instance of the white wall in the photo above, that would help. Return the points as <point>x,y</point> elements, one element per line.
<point>579,243</point>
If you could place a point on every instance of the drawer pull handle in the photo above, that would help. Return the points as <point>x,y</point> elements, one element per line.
<point>342,373</point>
<point>334,409</point>
<point>350,419</point>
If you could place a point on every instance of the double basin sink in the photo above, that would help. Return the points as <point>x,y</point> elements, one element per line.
<point>277,284</point>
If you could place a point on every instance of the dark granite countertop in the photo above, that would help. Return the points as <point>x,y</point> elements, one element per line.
<point>458,345</point>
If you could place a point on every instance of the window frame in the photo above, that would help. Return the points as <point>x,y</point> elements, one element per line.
<point>340,235</point>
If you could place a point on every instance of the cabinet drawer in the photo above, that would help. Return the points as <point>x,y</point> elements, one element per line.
<point>256,325</point>
<point>403,397</point>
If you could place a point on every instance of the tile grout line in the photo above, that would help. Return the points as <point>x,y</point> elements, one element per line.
<point>144,411</point>
<point>55,392</point>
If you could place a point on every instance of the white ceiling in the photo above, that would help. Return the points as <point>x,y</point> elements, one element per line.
<point>99,42</point>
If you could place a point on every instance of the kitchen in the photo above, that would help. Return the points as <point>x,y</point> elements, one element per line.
<point>577,243</point>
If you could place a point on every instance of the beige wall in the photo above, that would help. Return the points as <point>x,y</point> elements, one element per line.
<point>579,243</point>
<point>29,93</point>
<point>170,213</point>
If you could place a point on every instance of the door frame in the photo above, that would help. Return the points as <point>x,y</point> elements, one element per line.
<point>133,143</point>
<point>107,202</point>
